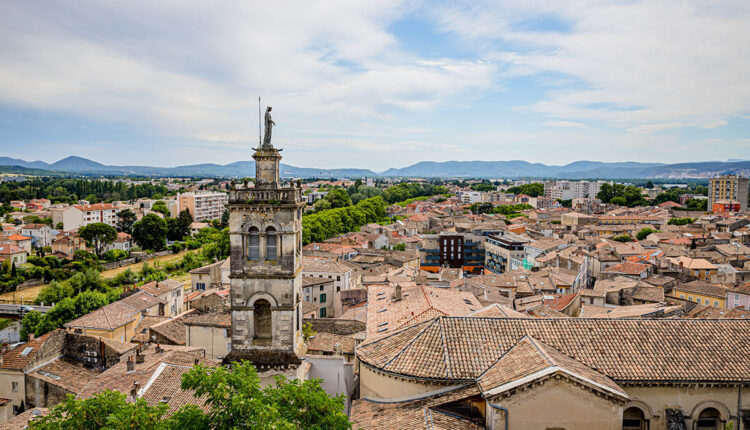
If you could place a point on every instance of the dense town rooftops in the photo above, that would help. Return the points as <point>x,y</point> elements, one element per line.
<point>667,350</point>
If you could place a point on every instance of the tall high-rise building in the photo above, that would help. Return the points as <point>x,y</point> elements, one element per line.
<point>265,234</point>
<point>730,188</point>
<point>202,205</point>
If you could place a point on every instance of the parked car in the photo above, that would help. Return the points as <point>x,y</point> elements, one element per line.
<point>25,308</point>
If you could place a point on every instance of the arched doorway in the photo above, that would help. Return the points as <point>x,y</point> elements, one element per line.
<point>709,419</point>
<point>634,419</point>
<point>262,321</point>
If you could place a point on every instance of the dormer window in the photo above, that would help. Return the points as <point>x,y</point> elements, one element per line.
<point>270,243</point>
<point>253,249</point>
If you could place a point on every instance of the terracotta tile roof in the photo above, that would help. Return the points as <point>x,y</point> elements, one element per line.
<point>18,237</point>
<point>213,319</point>
<point>418,303</point>
<point>415,414</point>
<point>20,356</point>
<point>118,379</point>
<point>95,207</point>
<point>529,357</point>
<point>21,421</point>
<point>160,287</point>
<point>107,318</point>
<point>702,311</point>
<point>165,387</point>
<point>461,348</point>
<point>173,330</point>
<point>324,342</point>
<point>323,265</point>
<point>561,302</point>
<point>10,249</point>
<point>141,301</point>
<point>544,311</point>
<point>634,311</point>
<point>497,311</point>
<point>629,268</point>
<point>69,375</point>
<point>700,287</point>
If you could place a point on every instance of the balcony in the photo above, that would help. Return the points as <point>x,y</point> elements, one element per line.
<point>251,195</point>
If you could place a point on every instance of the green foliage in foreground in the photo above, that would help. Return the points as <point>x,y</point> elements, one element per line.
<point>235,400</point>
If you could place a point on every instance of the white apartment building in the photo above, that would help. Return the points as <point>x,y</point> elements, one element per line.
<point>569,190</point>
<point>203,205</point>
<point>469,197</point>
<point>77,216</point>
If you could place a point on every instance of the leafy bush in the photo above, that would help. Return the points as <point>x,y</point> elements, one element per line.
<point>115,255</point>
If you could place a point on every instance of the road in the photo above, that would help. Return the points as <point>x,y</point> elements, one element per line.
<point>12,309</point>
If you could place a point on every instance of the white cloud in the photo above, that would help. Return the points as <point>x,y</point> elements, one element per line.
<point>639,62</point>
<point>192,70</point>
<point>566,124</point>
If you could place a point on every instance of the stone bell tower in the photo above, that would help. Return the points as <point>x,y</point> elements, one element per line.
<point>265,234</point>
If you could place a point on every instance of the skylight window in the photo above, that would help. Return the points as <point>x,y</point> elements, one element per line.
<point>380,330</point>
<point>26,351</point>
<point>382,310</point>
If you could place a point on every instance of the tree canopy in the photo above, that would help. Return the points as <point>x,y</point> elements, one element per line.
<point>150,232</point>
<point>98,235</point>
<point>234,397</point>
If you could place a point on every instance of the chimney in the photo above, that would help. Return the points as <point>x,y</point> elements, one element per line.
<point>396,297</point>
<point>140,358</point>
<point>134,390</point>
<point>158,348</point>
<point>31,337</point>
<point>197,360</point>
<point>131,365</point>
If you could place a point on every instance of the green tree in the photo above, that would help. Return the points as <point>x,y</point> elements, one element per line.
<point>619,200</point>
<point>680,221</point>
<point>160,207</point>
<point>150,232</point>
<point>236,400</point>
<point>98,235</point>
<point>623,238</point>
<point>532,190</point>
<point>649,185</point>
<point>224,219</point>
<point>644,233</point>
<point>125,220</point>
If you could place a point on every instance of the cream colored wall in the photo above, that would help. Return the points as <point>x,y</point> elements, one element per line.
<point>374,385</point>
<point>211,339</point>
<point>685,398</point>
<point>7,377</point>
<point>558,404</point>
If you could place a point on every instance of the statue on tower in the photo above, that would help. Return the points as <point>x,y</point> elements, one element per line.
<point>269,127</point>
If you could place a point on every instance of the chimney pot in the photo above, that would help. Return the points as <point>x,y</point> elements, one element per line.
<point>31,337</point>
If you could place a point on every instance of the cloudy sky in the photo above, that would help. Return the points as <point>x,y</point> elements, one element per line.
<point>375,84</point>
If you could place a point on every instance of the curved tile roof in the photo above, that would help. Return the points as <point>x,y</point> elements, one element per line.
<point>461,348</point>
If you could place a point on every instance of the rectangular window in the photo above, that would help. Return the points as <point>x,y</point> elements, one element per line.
<point>716,303</point>
<point>321,288</point>
<point>322,312</point>
<point>338,278</point>
<point>14,386</point>
<point>323,298</point>
<point>698,300</point>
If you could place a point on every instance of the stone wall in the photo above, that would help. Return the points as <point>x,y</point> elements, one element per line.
<point>90,350</point>
<point>41,394</point>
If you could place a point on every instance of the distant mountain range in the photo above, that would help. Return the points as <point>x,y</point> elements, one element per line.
<point>475,169</point>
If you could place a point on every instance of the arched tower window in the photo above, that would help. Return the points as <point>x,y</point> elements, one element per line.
<point>271,241</point>
<point>253,248</point>
<point>262,320</point>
